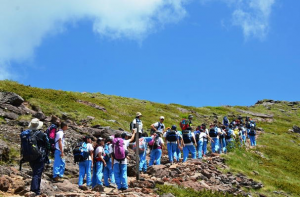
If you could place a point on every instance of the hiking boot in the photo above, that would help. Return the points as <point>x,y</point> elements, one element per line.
<point>57,180</point>
<point>83,187</point>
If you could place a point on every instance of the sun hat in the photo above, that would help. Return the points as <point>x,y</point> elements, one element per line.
<point>35,124</point>
<point>138,114</point>
<point>161,117</point>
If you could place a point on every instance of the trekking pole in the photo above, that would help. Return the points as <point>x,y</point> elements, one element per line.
<point>137,153</point>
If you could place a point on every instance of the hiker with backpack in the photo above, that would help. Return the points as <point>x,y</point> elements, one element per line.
<point>158,126</point>
<point>172,139</point>
<point>59,161</point>
<point>185,123</point>
<point>51,132</point>
<point>222,139</point>
<point>252,135</point>
<point>199,136</point>
<point>214,135</point>
<point>230,137</point>
<point>180,146</point>
<point>108,172</point>
<point>35,148</point>
<point>118,152</point>
<point>225,121</point>
<point>243,134</point>
<point>98,163</point>
<point>85,166</point>
<point>137,123</point>
<point>206,138</point>
<point>142,151</point>
<point>157,146</point>
<point>188,144</point>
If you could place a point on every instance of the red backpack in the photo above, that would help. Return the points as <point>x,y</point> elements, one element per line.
<point>184,124</point>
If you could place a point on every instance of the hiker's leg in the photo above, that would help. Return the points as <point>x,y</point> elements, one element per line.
<point>124,183</point>
<point>170,152</point>
<point>158,156</point>
<point>216,145</point>
<point>82,168</point>
<point>99,173</point>
<point>152,157</point>
<point>224,145</point>
<point>192,149</point>
<point>251,140</point>
<point>111,173</point>
<point>37,170</point>
<point>117,173</point>
<point>106,174</point>
<point>178,152</point>
<point>62,167</point>
<point>204,147</point>
<point>56,164</point>
<point>185,153</point>
<point>94,177</point>
<point>213,144</point>
<point>88,172</point>
<point>200,147</point>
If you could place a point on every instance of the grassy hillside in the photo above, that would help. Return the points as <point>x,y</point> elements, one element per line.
<point>275,160</point>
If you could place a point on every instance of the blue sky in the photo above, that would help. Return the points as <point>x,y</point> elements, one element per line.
<point>197,53</point>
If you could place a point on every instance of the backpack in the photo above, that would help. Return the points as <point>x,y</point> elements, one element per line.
<point>142,145</point>
<point>213,132</point>
<point>252,124</point>
<point>29,146</point>
<point>119,152</point>
<point>51,134</point>
<point>197,136</point>
<point>184,124</point>
<point>156,142</point>
<point>171,136</point>
<point>228,134</point>
<point>187,136</point>
<point>225,121</point>
<point>252,132</point>
<point>80,152</point>
<point>106,153</point>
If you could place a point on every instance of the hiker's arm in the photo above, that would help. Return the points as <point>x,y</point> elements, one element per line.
<point>60,147</point>
<point>195,140</point>
<point>92,156</point>
<point>153,127</point>
<point>133,136</point>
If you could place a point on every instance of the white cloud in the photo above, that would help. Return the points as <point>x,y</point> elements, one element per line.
<point>253,16</point>
<point>24,24</point>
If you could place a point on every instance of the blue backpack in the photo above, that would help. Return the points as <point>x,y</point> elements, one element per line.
<point>80,152</point>
<point>187,136</point>
<point>225,121</point>
<point>29,146</point>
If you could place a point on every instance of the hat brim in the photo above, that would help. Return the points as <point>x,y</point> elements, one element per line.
<point>36,127</point>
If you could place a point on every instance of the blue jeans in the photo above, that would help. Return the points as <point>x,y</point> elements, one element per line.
<point>58,165</point>
<point>178,153</point>
<point>215,145</point>
<point>97,174</point>
<point>108,173</point>
<point>252,140</point>
<point>37,170</point>
<point>120,171</point>
<point>243,140</point>
<point>186,150</point>
<point>155,156</point>
<point>172,150</point>
<point>222,146</point>
<point>199,149</point>
<point>85,169</point>
<point>204,148</point>
<point>143,162</point>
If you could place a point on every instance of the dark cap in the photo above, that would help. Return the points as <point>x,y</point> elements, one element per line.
<point>174,127</point>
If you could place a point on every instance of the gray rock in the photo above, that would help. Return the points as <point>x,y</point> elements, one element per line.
<point>296,129</point>
<point>11,98</point>
<point>9,115</point>
<point>40,115</point>
<point>4,151</point>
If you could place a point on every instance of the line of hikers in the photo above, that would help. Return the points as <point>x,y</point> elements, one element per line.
<point>108,157</point>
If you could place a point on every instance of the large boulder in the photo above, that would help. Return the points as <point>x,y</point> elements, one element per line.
<point>296,129</point>
<point>9,115</point>
<point>11,98</point>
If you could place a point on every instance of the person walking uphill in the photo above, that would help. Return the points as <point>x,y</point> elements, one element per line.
<point>158,127</point>
<point>99,163</point>
<point>188,146</point>
<point>172,139</point>
<point>137,123</point>
<point>119,152</point>
<point>35,148</point>
<point>59,161</point>
<point>85,167</point>
<point>157,143</point>
<point>108,172</point>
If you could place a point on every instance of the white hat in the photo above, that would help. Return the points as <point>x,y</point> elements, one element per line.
<point>138,114</point>
<point>35,124</point>
<point>161,117</point>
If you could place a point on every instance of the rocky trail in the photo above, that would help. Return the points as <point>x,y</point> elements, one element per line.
<point>207,173</point>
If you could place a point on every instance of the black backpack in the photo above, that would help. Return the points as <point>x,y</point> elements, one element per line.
<point>197,136</point>
<point>29,146</point>
<point>213,132</point>
<point>80,152</point>
<point>171,136</point>
<point>156,143</point>
<point>187,136</point>
<point>228,135</point>
<point>252,132</point>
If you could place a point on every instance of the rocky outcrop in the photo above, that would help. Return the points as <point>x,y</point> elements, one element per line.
<point>255,114</point>
<point>92,105</point>
<point>11,98</point>
<point>296,129</point>
<point>4,151</point>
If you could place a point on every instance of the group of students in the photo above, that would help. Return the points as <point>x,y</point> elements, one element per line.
<point>107,159</point>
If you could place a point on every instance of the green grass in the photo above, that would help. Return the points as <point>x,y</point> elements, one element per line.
<point>277,171</point>
<point>184,192</point>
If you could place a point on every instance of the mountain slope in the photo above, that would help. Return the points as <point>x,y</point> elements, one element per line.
<point>274,162</point>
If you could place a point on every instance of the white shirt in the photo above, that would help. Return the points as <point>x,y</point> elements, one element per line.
<point>160,128</point>
<point>90,148</point>
<point>202,135</point>
<point>59,135</point>
<point>140,125</point>
<point>126,144</point>
<point>165,135</point>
